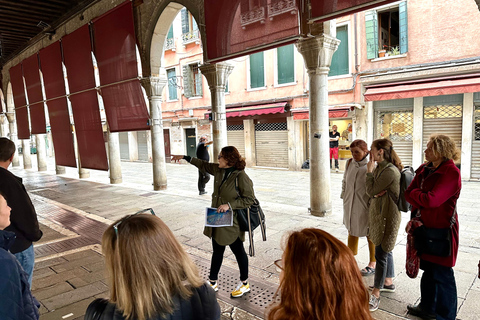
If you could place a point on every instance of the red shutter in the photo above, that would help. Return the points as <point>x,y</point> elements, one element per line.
<point>21,112</point>
<point>35,96</point>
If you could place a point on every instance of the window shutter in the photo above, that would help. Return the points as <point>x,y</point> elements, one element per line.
<point>172,84</point>
<point>185,24</point>
<point>170,33</point>
<point>256,70</point>
<point>187,81</point>
<point>198,83</point>
<point>402,11</point>
<point>340,61</point>
<point>194,24</point>
<point>371,30</point>
<point>285,64</point>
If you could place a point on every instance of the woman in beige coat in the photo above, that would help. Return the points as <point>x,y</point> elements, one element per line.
<point>232,188</point>
<point>383,186</point>
<point>355,202</point>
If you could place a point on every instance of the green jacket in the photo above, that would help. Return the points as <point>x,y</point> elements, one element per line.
<point>227,194</point>
<point>384,216</point>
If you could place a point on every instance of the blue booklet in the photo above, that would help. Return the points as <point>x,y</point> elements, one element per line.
<point>218,219</point>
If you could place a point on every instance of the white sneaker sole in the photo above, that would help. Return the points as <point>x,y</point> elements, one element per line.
<point>247,291</point>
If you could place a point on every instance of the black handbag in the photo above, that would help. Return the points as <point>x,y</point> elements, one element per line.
<point>434,241</point>
<point>102,309</point>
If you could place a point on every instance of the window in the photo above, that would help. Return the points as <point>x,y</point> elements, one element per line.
<point>340,61</point>
<point>189,28</point>
<point>386,29</point>
<point>170,41</point>
<point>285,64</point>
<point>192,81</point>
<point>172,84</point>
<point>257,74</point>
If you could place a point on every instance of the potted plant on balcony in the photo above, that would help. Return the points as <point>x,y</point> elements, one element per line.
<point>382,50</point>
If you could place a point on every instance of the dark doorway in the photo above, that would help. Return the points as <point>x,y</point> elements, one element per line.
<point>191,142</point>
<point>166,141</point>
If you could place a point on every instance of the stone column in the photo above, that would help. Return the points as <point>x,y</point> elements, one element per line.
<point>317,53</point>
<point>2,121</point>
<point>115,165</point>
<point>370,123</point>
<point>154,87</point>
<point>468,135</point>
<point>82,173</point>
<point>27,158</point>
<point>417,136</point>
<point>41,152</point>
<point>249,138</point>
<point>13,137</point>
<point>217,76</point>
<point>59,169</point>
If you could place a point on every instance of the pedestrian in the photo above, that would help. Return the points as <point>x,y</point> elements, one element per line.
<point>433,194</point>
<point>383,188</point>
<point>232,188</point>
<point>202,153</point>
<point>319,279</point>
<point>150,275</point>
<point>17,301</point>
<point>334,136</point>
<point>23,218</point>
<point>356,200</point>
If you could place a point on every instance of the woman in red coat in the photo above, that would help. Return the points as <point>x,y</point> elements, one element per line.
<point>433,194</point>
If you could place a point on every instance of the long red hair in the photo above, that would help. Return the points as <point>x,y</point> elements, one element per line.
<point>320,280</point>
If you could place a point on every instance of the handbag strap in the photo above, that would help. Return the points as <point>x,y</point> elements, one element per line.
<point>452,218</point>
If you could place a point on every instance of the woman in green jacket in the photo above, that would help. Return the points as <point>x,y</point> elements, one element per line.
<point>232,188</point>
<point>383,186</point>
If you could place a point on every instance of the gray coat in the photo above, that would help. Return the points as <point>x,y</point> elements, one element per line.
<point>227,194</point>
<point>384,216</point>
<point>355,198</point>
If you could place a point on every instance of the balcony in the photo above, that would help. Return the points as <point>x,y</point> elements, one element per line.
<point>252,16</point>
<point>280,7</point>
<point>170,44</point>
<point>190,37</point>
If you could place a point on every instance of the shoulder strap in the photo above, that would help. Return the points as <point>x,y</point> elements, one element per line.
<point>348,163</point>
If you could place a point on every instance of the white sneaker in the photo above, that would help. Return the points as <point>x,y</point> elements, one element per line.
<point>213,286</point>
<point>241,290</point>
<point>336,169</point>
<point>373,303</point>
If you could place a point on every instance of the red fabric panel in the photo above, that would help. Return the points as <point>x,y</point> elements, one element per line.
<point>35,96</point>
<point>424,89</point>
<point>226,37</point>
<point>88,126</point>
<point>51,65</point>
<point>115,52</point>
<point>253,112</point>
<point>86,114</point>
<point>332,113</point>
<point>327,10</point>
<point>21,112</point>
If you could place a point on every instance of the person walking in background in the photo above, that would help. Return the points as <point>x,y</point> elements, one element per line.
<point>23,219</point>
<point>334,136</point>
<point>383,187</point>
<point>232,188</point>
<point>202,153</point>
<point>150,275</point>
<point>356,200</point>
<point>433,194</point>
<point>16,300</point>
<point>319,280</point>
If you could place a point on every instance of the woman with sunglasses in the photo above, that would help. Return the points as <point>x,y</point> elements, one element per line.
<point>232,188</point>
<point>319,280</point>
<point>150,275</point>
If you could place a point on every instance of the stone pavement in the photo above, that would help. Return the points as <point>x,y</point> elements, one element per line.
<point>69,271</point>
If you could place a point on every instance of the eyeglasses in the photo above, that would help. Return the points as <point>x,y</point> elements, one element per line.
<point>115,226</point>
<point>278,265</point>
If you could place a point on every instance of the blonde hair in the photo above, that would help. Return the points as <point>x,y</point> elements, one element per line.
<point>388,153</point>
<point>146,267</point>
<point>444,147</point>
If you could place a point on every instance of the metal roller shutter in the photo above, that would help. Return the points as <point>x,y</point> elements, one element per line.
<point>475,173</point>
<point>142,146</point>
<point>124,153</point>
<point>445,120</point>
<point>236,138</point>
<point>271,144</point>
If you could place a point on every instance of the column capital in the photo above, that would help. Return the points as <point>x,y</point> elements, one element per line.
<point>317,52</point>
<point>216,74</point>
<point>10,116</point>
<point>154,85</point>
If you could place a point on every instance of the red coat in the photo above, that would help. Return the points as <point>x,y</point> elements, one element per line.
<point>437,198</point>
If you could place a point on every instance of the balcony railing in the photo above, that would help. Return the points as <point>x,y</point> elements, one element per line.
<point>190,37</point>
<point>252,16</point>
<point>279,7</point>
<point>170,44</point>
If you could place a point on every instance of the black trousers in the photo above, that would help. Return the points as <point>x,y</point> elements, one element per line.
<point>203,178</point>
<point>217,259</point>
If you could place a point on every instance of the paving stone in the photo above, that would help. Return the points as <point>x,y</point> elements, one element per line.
<point>89,278</point>
<point>81,255</point>
<point>77,263</point>
<point>60,277</point>
<point>51,291</point>
<point>40,273</point>
<point>68,298</point>
<point>77,310</point>
<point>49,262</point>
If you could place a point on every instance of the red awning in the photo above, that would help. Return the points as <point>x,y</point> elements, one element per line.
<point>21,112</point>
<point>327,10</point>
<point>35,96</point>
<point>255,111</point>
<point>424,88</point>
<point>335,112</point>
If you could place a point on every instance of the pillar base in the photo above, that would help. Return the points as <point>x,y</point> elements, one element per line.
<point>115,180</point>
<point>319,213</point>
<point>60,170</point>
<point>42,169</point>
<point>160,187</point>
<point>84,174</point>
<point>27,166</point>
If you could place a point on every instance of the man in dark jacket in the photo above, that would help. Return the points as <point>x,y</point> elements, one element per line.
<point>202,153</point>
<point>23,219</point>
<point>16,300</point>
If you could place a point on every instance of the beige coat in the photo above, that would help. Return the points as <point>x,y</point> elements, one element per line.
<point>355,198</point>
<point>384,216</point>
<point>227,194</point>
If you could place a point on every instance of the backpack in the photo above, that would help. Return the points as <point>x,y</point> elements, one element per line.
<point>406,177</point>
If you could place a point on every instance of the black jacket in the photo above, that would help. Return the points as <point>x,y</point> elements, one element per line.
<point>16,300</point>
<point>202,305</point>
<point>23,217</point>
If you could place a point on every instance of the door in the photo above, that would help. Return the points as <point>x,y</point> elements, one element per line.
<point>236,138</point>
<point>142,145</point>
<point>191,142</point>
<point>271,143</point>
<point>124,152</point>
<point>166,141</point>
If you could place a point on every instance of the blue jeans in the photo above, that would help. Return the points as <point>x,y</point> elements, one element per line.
<point>383,268</point>
<point>26,258</point>
<point>438,290</point>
